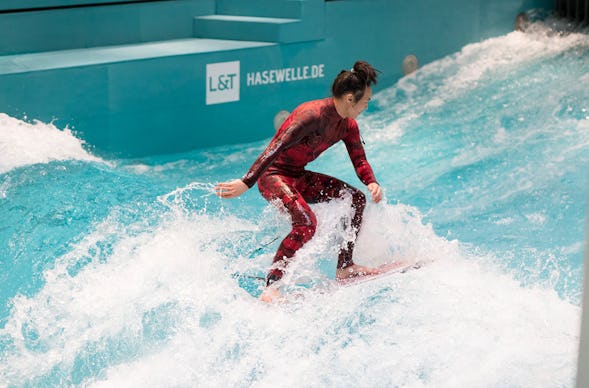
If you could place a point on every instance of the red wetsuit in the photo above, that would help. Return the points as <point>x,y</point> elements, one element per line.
<point>280,172</point>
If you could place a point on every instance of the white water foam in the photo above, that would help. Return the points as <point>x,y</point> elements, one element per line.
<point>163,310</point>
<point>160,308</point>
<point>23,143</point>
<point>463,70</point>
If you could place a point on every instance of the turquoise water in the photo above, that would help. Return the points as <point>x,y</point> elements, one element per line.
<point>132,273</point>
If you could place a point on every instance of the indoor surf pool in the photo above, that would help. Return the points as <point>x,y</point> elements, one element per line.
<point>133,273</point>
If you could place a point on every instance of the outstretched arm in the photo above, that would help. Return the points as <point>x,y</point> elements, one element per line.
<point>281,141</point>
<point>231,189</point>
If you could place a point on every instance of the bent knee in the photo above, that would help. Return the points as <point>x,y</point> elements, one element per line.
<point>358,199</point>
<point>304,233</point>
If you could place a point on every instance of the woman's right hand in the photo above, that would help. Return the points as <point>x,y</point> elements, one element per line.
<point>231,189</point>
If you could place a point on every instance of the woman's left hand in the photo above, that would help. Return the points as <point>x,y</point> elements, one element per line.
<point>375,192</point>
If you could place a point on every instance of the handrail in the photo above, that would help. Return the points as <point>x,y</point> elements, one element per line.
<point>16,6</point>
<point>576,11</point>
<point>583,361</point>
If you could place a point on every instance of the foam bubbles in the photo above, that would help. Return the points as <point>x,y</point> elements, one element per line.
<point>464,70</point>
<point>24,143</point>
<point>162,309</point>
<point>154,301</point>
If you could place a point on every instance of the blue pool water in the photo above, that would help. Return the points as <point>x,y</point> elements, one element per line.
<point>126,272</point>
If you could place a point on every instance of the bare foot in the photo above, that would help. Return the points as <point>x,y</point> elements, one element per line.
<point>355,270</point>
<point>271,294</point>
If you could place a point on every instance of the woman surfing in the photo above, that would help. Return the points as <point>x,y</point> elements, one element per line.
<point>280,172</point>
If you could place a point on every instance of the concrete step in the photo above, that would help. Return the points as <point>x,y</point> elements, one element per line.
<point>279,21</point>
<point>267,8</point>
<point>249,28</point>
<point>98,23</point>
<point>108,55</point>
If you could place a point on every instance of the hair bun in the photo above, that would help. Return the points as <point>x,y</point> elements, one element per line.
<point>365,72</point>
<point>355,80</point>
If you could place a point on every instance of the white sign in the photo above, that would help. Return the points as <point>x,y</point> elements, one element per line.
<point>223,79</point>
<point>222,82</point>
<point>288,74</point>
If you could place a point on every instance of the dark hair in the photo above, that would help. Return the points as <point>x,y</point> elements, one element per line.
<point>354,81</point>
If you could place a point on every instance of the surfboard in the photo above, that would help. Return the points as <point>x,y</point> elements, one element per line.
<point>398,267</point>
<point>386,270</point>
<point>251,283</point>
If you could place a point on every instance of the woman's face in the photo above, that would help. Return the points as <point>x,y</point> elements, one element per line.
<point>355,108</point>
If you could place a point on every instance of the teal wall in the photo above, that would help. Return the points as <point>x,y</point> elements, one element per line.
<point>389,30</point>
<point>79,27</point>
<point>133,80</point>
